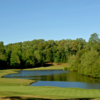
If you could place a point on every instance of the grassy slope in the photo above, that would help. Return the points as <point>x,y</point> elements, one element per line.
<point>47,68</point>
<point>12,87</point>
<point>52,67</point>
<point>12,82</point>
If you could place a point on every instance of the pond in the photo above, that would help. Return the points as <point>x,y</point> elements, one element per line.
<point>58,78</point>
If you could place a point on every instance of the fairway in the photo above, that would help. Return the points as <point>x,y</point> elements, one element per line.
<point>13,87</point>
<point>48,92</point>
<point>52,67</point>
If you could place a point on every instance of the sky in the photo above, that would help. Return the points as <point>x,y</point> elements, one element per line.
<point>26,20</point>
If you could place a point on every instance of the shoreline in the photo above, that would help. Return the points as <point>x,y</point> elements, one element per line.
<point>41,91</point>
<point>12,71</point>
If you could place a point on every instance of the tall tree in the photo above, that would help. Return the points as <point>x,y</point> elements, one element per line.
<point>2,56</point>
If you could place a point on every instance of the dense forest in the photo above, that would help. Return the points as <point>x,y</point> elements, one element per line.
<point>81,56</point>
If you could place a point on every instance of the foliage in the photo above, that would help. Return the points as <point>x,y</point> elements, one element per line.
<point>87,61</point>
<point>96,68</point>
<point>82,56</point>
<point>65,68</point>
<point>74,61</point>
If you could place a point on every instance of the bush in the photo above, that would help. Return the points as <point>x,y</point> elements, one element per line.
<point>65,68</point>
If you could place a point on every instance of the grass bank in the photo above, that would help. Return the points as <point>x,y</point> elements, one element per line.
<point>12,82</point>
<point>53,66</point>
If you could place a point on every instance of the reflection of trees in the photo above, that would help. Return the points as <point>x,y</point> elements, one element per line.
<point>71,77</point>
<point>56,77</point>
<point>75,77</point>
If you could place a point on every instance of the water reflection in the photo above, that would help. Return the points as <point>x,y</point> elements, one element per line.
<point>58,78</point>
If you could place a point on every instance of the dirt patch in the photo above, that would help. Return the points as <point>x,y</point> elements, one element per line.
<point>56,64</point>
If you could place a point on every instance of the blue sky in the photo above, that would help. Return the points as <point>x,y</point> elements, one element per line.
<point>23,20</point>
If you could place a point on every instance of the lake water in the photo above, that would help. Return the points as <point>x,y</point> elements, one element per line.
<point>58,78</point>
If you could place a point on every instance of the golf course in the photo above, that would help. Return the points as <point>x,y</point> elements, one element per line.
<point>12,89</point>
<point>49,49</point>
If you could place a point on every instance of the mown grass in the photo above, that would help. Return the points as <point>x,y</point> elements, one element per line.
<point>48,92</point>
<point>48,68</point>
<point>13,87</point>
<point>12,82</point>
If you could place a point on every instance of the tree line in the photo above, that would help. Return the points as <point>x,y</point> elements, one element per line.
<point>87,60</point>
<point>82,56</point>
